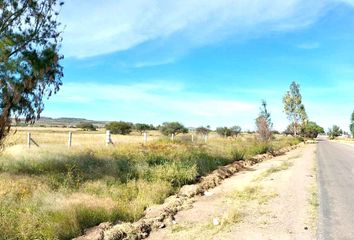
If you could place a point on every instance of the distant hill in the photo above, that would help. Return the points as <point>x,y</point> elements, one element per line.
<point>64,122</point>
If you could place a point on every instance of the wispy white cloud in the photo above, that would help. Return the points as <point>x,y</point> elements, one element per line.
<point>152,63</point>
<point>309,45</point>
<point>157,101</point>
<point>337,89</point>
<point>100,27</point>
<point>351,2</point>
<point>327,114</point>
<point>95,92</point>
<point>167,101</point>
<point>344,70</point>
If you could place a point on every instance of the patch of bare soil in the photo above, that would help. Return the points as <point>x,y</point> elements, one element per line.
<point>275,199</point>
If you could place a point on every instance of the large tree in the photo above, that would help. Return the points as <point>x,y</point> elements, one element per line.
<point>120,127</point>
<point>334,132</point>
<point>311,130</point>
<point>223,131</point>
<point>29,58</point>
<point>227,132</point>
<point>142,127</point>
<point>294,108</point>
<point>235,130</point>
<point>202,130</point>
<point>175,128</point>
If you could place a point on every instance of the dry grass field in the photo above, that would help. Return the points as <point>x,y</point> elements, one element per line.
<point>55,192</point>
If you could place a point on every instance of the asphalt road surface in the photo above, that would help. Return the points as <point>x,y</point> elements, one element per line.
<point>336,190</point>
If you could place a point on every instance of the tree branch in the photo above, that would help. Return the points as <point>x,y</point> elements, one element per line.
<point>38,26</point>
<point>17,14</point>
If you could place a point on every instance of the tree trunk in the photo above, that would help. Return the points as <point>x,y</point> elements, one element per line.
<point>5,123</point>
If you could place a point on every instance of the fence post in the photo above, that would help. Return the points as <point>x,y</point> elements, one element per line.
<point>108,137</point>
<point>145,137</point>
<point>70,139</point>
<point>206,138</point>
<point>192,137</point>
<point>29,140</point>
<point>172,136</point>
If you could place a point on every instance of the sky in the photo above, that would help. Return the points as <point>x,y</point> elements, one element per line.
<point>205,62</point>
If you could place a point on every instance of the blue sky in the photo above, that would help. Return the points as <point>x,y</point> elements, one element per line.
<point>205,62</point>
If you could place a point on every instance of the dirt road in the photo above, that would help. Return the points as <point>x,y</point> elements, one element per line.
<point>276,199</point>
<point>336,178</point>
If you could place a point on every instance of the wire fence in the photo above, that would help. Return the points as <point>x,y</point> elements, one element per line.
<point>74,138</point>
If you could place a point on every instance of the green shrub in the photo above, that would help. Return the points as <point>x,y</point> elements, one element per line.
<point>120,127</point>
<point>258,148</point>
<point>169,128</point>
<point>237,154</point>
<point>87,126</point>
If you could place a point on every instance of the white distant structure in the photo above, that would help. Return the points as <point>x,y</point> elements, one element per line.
<point>345,135</point>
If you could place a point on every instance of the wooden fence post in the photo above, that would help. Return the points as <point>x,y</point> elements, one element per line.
<point>192,137</point>
<point>29,140</point>
<point>70,139</point>
<point>206,138</point>
<point>108,137</point>
<point>172,136</point>
<point>145,137</point>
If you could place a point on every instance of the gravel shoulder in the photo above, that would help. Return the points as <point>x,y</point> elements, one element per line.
<point>276,199</point>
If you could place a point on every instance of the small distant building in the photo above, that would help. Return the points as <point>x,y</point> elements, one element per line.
<point>345,135</point>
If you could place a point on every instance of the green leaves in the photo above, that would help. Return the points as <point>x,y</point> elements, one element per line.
<point>29,58</point>
<point>119,127</point>
<point>202,130</point>
<point>311,130</point>
<point>334,132</point>
<point>169,128</point>
<point>294,108</point>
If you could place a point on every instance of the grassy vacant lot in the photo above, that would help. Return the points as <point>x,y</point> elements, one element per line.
<point>53,192</point>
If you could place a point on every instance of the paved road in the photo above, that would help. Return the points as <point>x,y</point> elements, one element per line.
<point>336,190</point>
